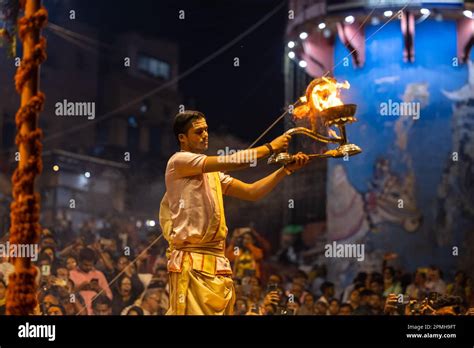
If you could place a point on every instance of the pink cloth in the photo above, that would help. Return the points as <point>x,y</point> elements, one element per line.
<point>190,197</point>
<point>79,277</point>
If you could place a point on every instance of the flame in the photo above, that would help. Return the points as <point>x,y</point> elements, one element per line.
<point>324,94</point>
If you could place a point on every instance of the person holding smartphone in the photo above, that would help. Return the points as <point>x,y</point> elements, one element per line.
<point>89,281</point>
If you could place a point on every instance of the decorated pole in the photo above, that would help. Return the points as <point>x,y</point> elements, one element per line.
<point>25,209</point>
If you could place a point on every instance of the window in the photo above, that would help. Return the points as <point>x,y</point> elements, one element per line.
<point>153,66</point>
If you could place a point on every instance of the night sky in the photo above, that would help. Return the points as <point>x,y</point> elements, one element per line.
<point>242,101</point>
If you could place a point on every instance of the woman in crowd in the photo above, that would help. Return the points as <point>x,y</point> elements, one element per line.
<point>124,294</point>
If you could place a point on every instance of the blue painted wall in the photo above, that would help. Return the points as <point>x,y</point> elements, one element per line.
<point>429,139</point>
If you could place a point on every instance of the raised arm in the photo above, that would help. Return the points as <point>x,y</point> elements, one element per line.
<point>244,158</point>
<point>262,187</point>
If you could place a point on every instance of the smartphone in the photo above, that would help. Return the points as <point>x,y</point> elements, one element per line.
<point>254,309</point>
<point>402,305</point>
<point>46,270</point>
<point>272,287</point>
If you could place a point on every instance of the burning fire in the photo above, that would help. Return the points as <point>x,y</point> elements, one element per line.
<point>325,95</point>
<point>322,93</point>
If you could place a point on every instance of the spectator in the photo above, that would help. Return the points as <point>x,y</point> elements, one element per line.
<point>417,290</point>
<point>124,294</point>
<point>376,283</point>
<point>376,304</point>
<point>6,268</point>
<point>345,309</point>
<point>391,286</point>
<point>79,304</point>
<point>296,291</point>
<point>105,262</point>
<point>308,305</point>
<point>88,280</point>
<point>239,291</point>
<point>291,245</point>
<point>48,241</point>
<point>154,254</point>
<point>56,310</point>
<point>241,306</point>
<point>49,251</point>
<point>148,257</point>
<point>301,278</point>
<point>44,260</point>
<point>102,305</point>
<point>364,307</point>
<point>151,302</point>
<point>48,299</point>
<point>72,249</point>
<point>459,287</point>
<point>405,280</point>
<point>161,276</point>
<point>359,280</point>
<point>334,307</point>
<point>354,299</point>
<point>320,278</point>
<point>123,264</point>
<point>71,263</point>
<point>71,287</point>
<point>327,290</point>
<point>435,283</point>
<point>134,310</point>
<point>61,271</point>
<point>293,307</point>
<point>142,263</point>
<point>255,293</point>
<point>68,305</point>
<point>244,254</point>
<point>275,279</point>
<point>269,306</point>
<point>159,281</point>
<point>321,308</point>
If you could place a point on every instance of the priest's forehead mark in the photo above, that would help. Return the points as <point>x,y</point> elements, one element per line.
<point>199,124</point>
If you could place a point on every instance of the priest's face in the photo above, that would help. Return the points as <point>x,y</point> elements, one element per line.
<point>196,138</point>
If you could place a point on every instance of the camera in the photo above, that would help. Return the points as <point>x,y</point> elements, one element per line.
<point>280,308</point>
<point>272,287</point>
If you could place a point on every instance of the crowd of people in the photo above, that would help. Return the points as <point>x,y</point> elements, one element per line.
<point>93,274</point>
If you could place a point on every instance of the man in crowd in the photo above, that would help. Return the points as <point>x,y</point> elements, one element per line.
<point>102,305</point>
<point>89,281</point>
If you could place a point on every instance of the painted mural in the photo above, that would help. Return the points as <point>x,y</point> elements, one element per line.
<point>411,191</point>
